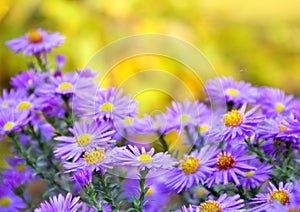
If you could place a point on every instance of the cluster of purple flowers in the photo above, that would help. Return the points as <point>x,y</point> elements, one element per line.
<point>82,139</point>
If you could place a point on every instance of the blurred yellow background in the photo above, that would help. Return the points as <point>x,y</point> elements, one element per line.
<point>260,38</point>
<point>257,41</point>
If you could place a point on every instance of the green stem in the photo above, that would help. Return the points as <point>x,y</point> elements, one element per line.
<point>143,190</point>
<point>163,142</point>
<point>40,63</point>
<point>90,191</point>
<point>24,154</point>
<point>106,191</point>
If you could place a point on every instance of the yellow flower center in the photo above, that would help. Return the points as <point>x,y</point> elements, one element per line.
<point>23,105</point>
<point>5,104</point>
<point>282,127</point>
<point>225,162</point>
<point>128,120</point>
<point>94,157</point>
<point>184,118</point>
<point>145,158</point>
<point>5,201</point>
<point>190,165</point>
<point>279,107</point>
<point>157,124</point>
<point>232,92</point>
<point>210,206</point>
<point>278,142</point>
<point>107,107</point>
<point>233,118</point>
<point>65,86</point>
<point>280,195</point>
<point>84,139</point>
<point>21,167</point>
<point>149,192</point>
<point>34,37</point>
<point>203,128</point>
<point>249,174</point>
<point>9,125</point>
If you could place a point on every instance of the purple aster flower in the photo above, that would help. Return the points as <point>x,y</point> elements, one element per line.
<point>25,103</point>
<point>63,85</point>
<point>274,102</point>
<point>256,177</point>
<point>237,125</point>
<point>51,106</point>
<point>36,42</point>
<point>126,127</point>
<point>87,136</point>
<point>107,104</point>
<point>155,198</point>
<point>190,208</point>
<point>230,166</point>
<point>83,176</point>
<point>96,159</point>
<point>7,101</point>
<point>131,156</point>
<point>223,203</point>
<point>16,175</point>
<point>60,203</point>
<point>265,202</point>
<point>28,79</point>
<point>227,90</point>
<point>11,120</point>
<point>277,130</point>
<point>193,170</point>
<point>148,125</point>
<point>185,115</point>
<point>60,60</point>
<point>9,201</point>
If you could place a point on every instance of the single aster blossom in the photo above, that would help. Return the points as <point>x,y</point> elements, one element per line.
<point>36,42</point>
<point>148,124</point>
<point>277,130</point>
<point>11,120</point>
<point>17,174</point>
<point>226,90</point>
<point>274,102</point>
<point>96,159</point>
<point>183,115</point>
<point>28,79</point>
<point>131,156</point>
<point>266,202</point>
<point>106,104</point>
<point>8,98</point>
<point>256,178</point>
<point>230,166</point>
<point>83,176</point>
<point>86,136</point>
<point>237,125</point>
<point>192,170</point>
<point>63,85</point>
<point>25,103</point>
<point>60,203</point>
<point>9,201</point>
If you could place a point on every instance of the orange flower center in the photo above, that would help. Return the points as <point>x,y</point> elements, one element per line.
<point>34,37</point>
<point>225,161</point>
